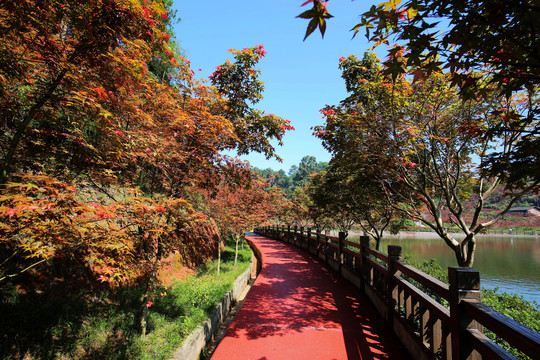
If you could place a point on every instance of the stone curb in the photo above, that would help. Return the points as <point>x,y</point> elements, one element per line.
<point>195,343</point>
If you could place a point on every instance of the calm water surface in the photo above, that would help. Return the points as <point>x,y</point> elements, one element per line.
<point>510,263</point>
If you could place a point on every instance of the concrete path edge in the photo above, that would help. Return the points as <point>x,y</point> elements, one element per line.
<point>195,343</point>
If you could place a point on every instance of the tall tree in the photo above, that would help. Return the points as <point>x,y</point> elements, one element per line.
<point>240,85</point>
<point>348,195</point>
<point>237,208</point>
<point>481,44</point>
<point>307,165</point>
<point>421,142</point>
<point>52,56</point>
<point>299,213</point>
<point>328,203</point>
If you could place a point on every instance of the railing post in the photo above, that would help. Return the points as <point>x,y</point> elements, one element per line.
<point>318,239</point>
<point>308,238</point>
<point>341,238</point>
<point>301,235</point>
<point>394,254</point>
<point>295,234</point>
<point>364,244</point>
<point>326,247</point>
<point>288,233</point>
<point>464,284</point>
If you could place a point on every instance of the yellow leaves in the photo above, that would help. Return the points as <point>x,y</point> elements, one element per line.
<point>411,13</point>
<point>410,133</point>
<point>390,5</point>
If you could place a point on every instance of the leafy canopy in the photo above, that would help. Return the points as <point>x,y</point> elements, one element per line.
<point>480,44</point>
<point>238,82</point>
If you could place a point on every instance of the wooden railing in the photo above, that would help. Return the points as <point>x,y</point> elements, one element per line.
<point>434,320</point>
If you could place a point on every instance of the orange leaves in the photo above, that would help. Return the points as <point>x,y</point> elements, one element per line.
<point>237,208</point>
<point>109,99</point>
<point>257,52</point>
<point>10,212</point>
<point>44,219</point>
<point>260,50</point>
<point>328,112</point>
<point>102,94</point>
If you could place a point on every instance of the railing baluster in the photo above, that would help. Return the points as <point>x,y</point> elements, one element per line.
<point>394,254</point>
<point>341,238</point>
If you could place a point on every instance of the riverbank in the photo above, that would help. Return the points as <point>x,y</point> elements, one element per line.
<point>418,235</point>
<point>507,262</point>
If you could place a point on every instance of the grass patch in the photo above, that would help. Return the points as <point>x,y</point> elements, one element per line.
<point>104,324</point>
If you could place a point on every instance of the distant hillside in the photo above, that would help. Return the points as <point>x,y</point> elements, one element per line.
<point>497,201</point>
<point>297,176</point>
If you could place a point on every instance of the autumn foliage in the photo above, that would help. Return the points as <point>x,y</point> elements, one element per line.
<point>238,82</point>
<point>413,147</point>
<point>481,46</point>
<point>106,137</point>
<point>45,222</point>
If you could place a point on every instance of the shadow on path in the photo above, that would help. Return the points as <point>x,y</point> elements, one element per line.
<point>300,309</point>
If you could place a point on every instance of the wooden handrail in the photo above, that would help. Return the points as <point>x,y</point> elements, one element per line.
<point>486,347</point>
<point>379,255</point>
<point>507,328</point>
<point>353,244</point>
<point>376,265</point>
<point>440,311</point>
<point>438,287</point>
<point>333,245</point>
<point>352,252</point>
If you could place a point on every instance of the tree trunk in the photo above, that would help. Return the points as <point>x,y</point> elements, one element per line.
<point>378,243</point>
<point>147,297</point>
<point>468,249</point>
<point>145,300</point>
<point>465,252</point>
<point>219,256</point>
<point>236,250</point>
<point>5,169</point>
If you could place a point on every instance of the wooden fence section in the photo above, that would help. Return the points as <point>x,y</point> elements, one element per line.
<point>434,320</point>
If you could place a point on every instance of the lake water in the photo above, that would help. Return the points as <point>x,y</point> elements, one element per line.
<point>510,263</point>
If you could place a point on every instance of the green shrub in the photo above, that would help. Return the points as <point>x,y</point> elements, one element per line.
<point>104,324</point>
<point>514,306</point>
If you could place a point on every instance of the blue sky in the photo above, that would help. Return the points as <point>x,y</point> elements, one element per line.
<point>300,76</point>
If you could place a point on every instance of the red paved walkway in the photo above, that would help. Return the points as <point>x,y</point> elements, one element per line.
<point>299,309</point>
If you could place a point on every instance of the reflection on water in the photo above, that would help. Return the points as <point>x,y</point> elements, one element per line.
<point>510,263</point>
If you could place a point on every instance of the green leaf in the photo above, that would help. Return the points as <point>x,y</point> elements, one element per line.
<point>309,14</point>
<point>322,26</point>
<point>311,28</point>
<point>317,14</point>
